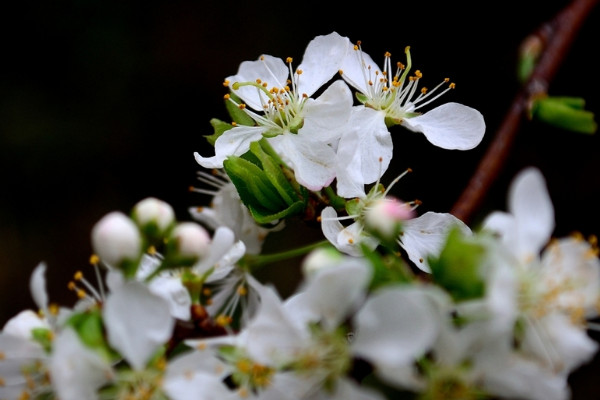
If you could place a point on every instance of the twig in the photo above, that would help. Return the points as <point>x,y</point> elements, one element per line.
<point>557,37</point>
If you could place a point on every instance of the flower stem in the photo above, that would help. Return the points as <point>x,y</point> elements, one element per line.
<point>259,261</point>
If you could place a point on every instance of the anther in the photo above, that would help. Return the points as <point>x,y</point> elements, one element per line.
<point>94,259</point>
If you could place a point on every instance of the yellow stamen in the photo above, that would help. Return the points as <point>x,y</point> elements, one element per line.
<point>94,259</point>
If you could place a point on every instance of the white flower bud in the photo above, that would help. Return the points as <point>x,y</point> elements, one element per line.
<point>385,216</point>
<point>320,259</point>
<point>116,238</point>
<point>154,211</point>
<point>190,239</point>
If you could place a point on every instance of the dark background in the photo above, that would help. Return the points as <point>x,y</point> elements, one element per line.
<point>103,104</point>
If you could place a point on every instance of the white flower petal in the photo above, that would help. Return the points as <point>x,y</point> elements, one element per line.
<point>137,322</point>
<point>325,118</point>
<point>76,371</point>
<point>529,202</point>
<point>233,142</point>
<point>450,126</point>
<point>425,235</point>
<point>354,66</point>
<point>37,286</point>
<point>22,324</point>
<point>395,326</point>
<point>321,61</point>
<point>333,292</point>
<point>222,241</point>
<point>273,334</point>
<point>313,162</point>
<point>364,152</point>
<point>559,344</point>
<point>197,375</point>
<point>174,293</point>
<point>270,70</point>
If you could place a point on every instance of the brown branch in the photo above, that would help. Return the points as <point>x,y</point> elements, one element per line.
<point>556,37</point>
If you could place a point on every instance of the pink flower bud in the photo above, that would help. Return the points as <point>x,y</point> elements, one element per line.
<point>385,216</point>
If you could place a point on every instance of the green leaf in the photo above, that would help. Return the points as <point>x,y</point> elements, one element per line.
<point>274,174</point>
<point>263,217</point>
<point>564,112</point>
<point>90,329</point>
<point>387,269</point>
<point>219,127</point>
<point>252,185</point>
<point>458,265</point>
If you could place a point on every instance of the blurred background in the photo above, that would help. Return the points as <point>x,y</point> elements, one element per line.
<point>104,103</point>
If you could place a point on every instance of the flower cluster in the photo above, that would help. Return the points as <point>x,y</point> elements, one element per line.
<point>392,303</point>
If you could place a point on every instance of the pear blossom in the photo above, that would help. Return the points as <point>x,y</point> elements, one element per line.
<point>300,129</point>
<point>419,237</point>
<point>300,342</point>
<point>24,361</point>
<point>23,367</point>
<point>391,98</point>
<point>558,280</point>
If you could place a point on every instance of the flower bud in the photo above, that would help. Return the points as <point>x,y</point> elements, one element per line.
<point>155,217</point>
<point>117,241</point>
<point>320,259</point>
<point>189,242</point>
<point>384,217</point>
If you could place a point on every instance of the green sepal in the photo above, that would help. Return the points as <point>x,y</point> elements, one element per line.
<point>43,336</point>
<point>387,268</point>
<point>362,98</point>
<point>218,127</point>
<point>263,186</point>
<point>457,269</point>
<point>238,115</point>
<point>265,218</point>
<point>253,185</point>
<point>274,174</point>
<point>153,234</point>
<point>129,267</point>
<point>90,330</point>
<point>565,113</point>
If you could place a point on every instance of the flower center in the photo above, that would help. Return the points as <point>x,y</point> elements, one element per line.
<point>282,106</point>
<point>395,93</point>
